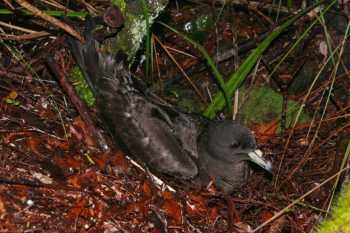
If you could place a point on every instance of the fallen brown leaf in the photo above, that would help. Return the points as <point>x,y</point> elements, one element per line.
<point>264,132</point>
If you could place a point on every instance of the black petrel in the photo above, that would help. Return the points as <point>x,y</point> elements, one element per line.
<point>164,139</point>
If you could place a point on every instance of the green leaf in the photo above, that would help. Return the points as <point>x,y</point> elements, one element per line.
<point>242,72</point>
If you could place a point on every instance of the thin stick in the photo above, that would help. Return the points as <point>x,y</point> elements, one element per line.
<point>52,20</point>
<point>16,27</point>
<point>285,209</point>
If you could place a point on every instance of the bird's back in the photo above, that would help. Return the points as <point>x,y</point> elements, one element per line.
<point>139,125</point>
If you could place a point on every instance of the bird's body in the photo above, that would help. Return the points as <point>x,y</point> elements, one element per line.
<point>166,140</point>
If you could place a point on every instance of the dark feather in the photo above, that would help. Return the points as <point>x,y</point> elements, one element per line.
<point>168,141</point>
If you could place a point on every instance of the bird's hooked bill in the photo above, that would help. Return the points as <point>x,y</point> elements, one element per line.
<point>256,157</point>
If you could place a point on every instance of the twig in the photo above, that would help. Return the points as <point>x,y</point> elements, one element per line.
<point>16,76</point>
<point>285,209</point>
<point>55,4</point>
<point>50,19</point>
<point>8,3</point>
<point>180,68</point>
<point>16,27</point>
<point>79,105</point>
<point>28,36</point>
<point>89,7</point>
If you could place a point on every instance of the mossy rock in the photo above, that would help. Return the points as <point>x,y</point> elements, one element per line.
<point>264,105</point>
<point>130,38</point>
<point>339,222</point>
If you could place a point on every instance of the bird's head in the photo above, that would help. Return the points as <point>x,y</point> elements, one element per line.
<point>231,142</point>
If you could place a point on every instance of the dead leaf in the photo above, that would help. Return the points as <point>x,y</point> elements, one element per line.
<point>173,210</point>
<point>11,136</point>
<point>146,188</point>
<point>53,143</point>
<point>243,227</point>
<point>79,209</point>
<point>137,207</point>
<point>86,179</point>
<point>81,132</point>
<point>264,132</point>
<point>265,215</point>
<point>67,162</point>
<point>74,181</point>
<point>213,215</point>
<point>2,208</point>
<point>101,160</point>
<point>196,205</point>
<point>168,195</point>
<point>33,143</point>
<point>119,163</point>
<point>277,225</point>
<point>12,95</point>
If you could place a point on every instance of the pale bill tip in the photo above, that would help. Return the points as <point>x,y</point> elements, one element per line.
<point>256,157</point>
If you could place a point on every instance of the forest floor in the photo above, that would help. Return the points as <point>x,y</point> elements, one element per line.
<point>54,177</point>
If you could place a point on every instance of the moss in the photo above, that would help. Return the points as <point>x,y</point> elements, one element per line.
<point>131,36</point>
<point>339,222</point>
<point>81,86</point>
<point>120,3</point>
<point>265,105</point>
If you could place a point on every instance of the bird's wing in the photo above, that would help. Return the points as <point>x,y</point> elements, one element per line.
<point>185,126</point>
<point>139,125</point>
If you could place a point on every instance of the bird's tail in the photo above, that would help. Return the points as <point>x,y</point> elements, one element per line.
<point>86,55</point>
<point>93,63</point>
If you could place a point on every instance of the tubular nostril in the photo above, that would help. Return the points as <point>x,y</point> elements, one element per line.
<point>234,145</point>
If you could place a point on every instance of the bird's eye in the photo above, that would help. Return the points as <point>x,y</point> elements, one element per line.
<point>234,144</point>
